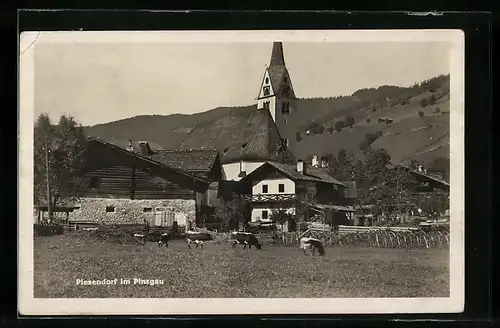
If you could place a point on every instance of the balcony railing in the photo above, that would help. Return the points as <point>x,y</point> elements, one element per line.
<point>271,198</point>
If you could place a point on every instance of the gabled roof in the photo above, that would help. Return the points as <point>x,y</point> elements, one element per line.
<point>176,172</point>
<point>191,160</point>
<point>248,136</point>
<point>425,175</point>
<point>290,171</point>
<point>195,161</point>
<point>276,74</point>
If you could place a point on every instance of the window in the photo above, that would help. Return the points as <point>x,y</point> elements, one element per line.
<point>267,80</point>
<point>94,182</point>
<point>281,187</point>
<point>264,214</point>
<point>264,189</point>
<point>285,142</point>
<point>267,91</point>
<point>147,209</point>
<point>285,107</point>
<point>110,209</point>
<point>266,104</point>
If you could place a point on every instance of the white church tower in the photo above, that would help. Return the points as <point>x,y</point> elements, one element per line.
<point>276,94</point>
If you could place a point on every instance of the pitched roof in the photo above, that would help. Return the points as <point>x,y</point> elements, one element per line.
<point>312,174</point>
<point>425,175</point>
<point>244,136</point>
<point>276,74</point>
<point>277,57</point>
<point>148,160</point>
<point>191,160</point>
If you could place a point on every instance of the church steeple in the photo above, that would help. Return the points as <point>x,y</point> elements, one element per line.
<point>277,57</point>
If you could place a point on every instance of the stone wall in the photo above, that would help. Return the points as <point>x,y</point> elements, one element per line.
<point>129,211</point>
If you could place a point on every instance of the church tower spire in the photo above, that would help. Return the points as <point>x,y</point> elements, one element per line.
<point>276,95</point>
<point>277,57</point>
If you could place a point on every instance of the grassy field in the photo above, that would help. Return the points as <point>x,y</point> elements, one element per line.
<point>221,271</point>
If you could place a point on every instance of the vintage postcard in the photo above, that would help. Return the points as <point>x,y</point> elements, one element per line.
<point>241,172</point>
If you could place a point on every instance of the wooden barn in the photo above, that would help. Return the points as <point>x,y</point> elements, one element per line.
<point>117,185</point>
<point>201,162</point>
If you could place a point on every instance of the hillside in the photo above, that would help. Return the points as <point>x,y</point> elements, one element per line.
<point>418,125</point>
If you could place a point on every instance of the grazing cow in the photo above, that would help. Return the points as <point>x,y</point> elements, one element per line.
<point>245,238</point>
<point>197,237</point>
<point>142,237</point>
<point>163,240</point>
<point>314,244</point>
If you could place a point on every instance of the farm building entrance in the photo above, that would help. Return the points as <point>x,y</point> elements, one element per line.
<point>166,217</point>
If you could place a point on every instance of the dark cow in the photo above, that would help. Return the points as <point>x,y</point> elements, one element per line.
<point>246,239</point>
<point>314,244</point>
<point>163,240</point>
<point>197,238</point>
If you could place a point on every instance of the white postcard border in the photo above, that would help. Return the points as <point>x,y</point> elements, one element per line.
<point>28,305</point>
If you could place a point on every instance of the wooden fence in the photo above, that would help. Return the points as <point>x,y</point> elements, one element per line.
<point>393,237</point>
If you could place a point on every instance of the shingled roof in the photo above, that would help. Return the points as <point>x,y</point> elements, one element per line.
<point>277,68</point>
<point>312,174</point>
<point>249,136</point>
<point>196,161</point>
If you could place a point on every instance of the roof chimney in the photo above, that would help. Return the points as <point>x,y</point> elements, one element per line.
<point>145,149</point>
<point>130,146</point>
<point>300,166</point>
<point>420,168</point>
<point>314,162</point>
<point>324,161</point>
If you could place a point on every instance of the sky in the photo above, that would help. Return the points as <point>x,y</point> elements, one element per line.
<point>102,82</point>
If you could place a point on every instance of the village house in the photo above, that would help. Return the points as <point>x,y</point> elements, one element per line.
<point>248,139</point>
<point>204,163</point>
<point>281,187</point>
<point>430,185</point>
<point>117,185</point>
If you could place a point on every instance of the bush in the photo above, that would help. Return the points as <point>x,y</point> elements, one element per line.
<point>416,221</point>
<point>331,129</point>
<point>368,120</point>
<point>349,121</point>
<point>438,110</point>
<point>48,229</point>
<point>298,137</point>
<point>339,125</point>
<point>420,114</point>
<point>432,100</point>
<point>423,102</point>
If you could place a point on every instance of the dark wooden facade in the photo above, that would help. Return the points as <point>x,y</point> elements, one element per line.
<point>115,173</point>
<point>131,183</point>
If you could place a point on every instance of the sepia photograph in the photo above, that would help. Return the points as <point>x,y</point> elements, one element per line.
<point>241,172</point>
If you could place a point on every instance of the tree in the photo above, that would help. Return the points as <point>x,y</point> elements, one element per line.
<point>379,184</point>
<point>368,121</point>
<point>342,168</point>
<point>423,102</point>
<point>281,216</point>
<point>420,114</point>
<point>331,129</point>
<point>438,110</point>
<point>432,100</point>
<point>349,121</point>
<point>63,145</point>
<point>232,211</point>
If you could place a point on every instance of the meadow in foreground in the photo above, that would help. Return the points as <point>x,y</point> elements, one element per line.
<point>222,271</point>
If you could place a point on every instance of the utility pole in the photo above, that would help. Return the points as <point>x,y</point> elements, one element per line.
<point>49,207</point>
